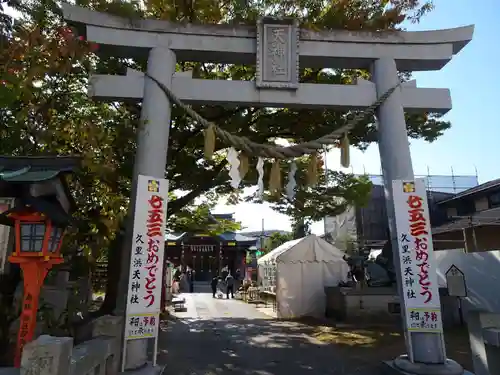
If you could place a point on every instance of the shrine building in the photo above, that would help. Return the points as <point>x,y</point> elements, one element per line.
<point>209,254</point>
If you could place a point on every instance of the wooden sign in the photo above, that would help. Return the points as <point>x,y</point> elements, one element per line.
<point>455,280</point>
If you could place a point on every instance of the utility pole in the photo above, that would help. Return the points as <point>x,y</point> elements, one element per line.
<point>262,235</point>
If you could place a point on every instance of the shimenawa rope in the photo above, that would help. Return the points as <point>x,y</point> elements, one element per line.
<point>251,148</point>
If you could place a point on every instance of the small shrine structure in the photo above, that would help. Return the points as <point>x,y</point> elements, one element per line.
<point>209,254</point>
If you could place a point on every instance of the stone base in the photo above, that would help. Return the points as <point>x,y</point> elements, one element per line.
<point>403,366</point>
<point>136,354</point>
<point>9,371</point>
<point>147,369</point>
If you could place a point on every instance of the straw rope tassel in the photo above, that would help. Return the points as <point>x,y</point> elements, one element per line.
<point>260,179</point>
<point>291,184</point>
<point>275,178</point>
<point>312,170</point>
<point>209,142</point>
<point>234,164</point>
<point>344,151</point>
<point>243,165</point>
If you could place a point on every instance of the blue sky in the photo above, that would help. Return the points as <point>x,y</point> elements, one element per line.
<point>472,142</point>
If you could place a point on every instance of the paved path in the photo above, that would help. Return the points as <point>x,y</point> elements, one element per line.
<point>230,337</point>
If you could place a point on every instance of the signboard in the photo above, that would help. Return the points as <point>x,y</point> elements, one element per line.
<point>455,281</point>
<point>418,267</point>
<point>141,326</point>
<point>146,260</point>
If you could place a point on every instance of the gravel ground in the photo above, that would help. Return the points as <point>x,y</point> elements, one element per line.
<point>230,337</point>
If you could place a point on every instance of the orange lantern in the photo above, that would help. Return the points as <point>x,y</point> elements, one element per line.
<point>39,217</point>
<point>38,242</point>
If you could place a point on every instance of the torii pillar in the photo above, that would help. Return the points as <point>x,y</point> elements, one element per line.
<point>277,85</point>
<point>426,349</point>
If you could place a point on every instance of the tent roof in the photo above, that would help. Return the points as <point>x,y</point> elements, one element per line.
<point>273,254</point>
<point>307,249</point>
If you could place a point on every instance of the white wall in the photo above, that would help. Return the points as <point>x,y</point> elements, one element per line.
<point>482,275</point>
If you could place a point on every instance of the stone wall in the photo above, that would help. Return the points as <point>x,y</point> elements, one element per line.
<point>60,300</point>
<point>346,304</point>
<point>49,355</point>
<point>484,338</point>
<point>378,304</point>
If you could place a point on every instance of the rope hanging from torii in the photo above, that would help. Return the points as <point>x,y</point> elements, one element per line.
<point>247,148</point>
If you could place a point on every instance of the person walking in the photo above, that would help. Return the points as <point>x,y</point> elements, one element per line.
<point>213,284</point>
<point>190,280</point>
<point>237,278</point>
<point>229,286</point>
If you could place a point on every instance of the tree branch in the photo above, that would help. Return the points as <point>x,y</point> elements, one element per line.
<point>187,137</point>
<point>176,205</point>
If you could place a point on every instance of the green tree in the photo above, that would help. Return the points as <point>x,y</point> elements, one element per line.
<point>333,193</point>
<point>44,108</point>
<point>276,239</point>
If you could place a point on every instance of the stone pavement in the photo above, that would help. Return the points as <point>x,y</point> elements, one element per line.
<point>217,336</point>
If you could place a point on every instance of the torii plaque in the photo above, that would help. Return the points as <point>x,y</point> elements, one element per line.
<point>277,53</point>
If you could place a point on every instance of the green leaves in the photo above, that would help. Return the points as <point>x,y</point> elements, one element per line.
<point>334,193</point>
<point>44,109</point>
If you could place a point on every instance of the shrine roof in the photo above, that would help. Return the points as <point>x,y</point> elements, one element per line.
<point>483,188</point>
<point>227,236</point>
<point>35,168</point>
<point>489,217</point>
<point>174,236</point>
<point>50,207</point>
<point>232,236</point>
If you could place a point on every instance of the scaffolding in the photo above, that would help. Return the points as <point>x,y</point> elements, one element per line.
<point>367,225</point>
<point>451,184</point>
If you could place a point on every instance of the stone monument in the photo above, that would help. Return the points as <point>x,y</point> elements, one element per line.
<point>278,48</point>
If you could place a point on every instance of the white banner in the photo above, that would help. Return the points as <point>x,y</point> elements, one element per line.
<point>148,247</point>
<point>418,265</point>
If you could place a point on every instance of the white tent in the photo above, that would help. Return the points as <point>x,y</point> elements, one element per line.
<point>298,272</point>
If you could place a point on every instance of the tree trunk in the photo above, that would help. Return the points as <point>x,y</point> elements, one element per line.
<point>113,275</point>
<point>300,229</point>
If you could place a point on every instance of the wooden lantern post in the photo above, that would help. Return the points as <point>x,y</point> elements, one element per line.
<point>37,249</point>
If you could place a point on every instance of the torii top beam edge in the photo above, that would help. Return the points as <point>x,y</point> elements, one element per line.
<point>413,51</point>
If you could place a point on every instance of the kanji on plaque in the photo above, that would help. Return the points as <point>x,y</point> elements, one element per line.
<point>419,277</point>
<point>424,320</point>
<point>277,50</point>
<point>146,263</point>
<point>136,280</point>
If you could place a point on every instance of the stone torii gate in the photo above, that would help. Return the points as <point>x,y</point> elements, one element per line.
<point>279,48</point>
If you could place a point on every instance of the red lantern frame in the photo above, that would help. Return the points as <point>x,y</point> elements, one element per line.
<point>35,266</point>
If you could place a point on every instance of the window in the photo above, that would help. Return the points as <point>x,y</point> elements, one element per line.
<point>494,200</point>
<point>32,235</point>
